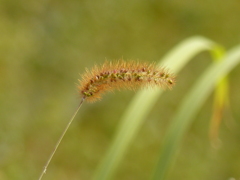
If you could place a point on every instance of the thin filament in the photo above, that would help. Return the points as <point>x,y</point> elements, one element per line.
<point>60,139</point>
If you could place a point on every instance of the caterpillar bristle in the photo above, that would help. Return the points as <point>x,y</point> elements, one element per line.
<point>122,74</point>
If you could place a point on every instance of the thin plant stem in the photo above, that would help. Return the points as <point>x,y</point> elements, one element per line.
<point>60,139</point>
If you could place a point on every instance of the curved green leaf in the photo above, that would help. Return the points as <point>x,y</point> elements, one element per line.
<point>190,106</point>
<point>143,102</point>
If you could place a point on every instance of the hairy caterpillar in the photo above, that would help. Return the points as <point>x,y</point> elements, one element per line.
<point>122,74</point>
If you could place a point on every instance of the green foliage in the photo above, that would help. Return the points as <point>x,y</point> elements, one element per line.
<point>144,101</point>
<point>44,45</point>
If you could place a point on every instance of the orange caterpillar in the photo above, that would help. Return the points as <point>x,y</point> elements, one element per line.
<point>122,74</point>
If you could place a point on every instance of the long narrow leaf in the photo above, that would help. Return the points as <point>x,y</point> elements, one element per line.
<point>219,104</point>
<point>143,102</point>
<point>190,106</point>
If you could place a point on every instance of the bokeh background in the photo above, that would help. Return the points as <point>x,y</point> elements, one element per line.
<point>45,44</point>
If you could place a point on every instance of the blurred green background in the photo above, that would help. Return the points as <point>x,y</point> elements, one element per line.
<point>45,44</point>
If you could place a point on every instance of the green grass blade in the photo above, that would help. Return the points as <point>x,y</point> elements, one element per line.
<point>143,102</point>
<point>219,104</point>
<point>189,107</point>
